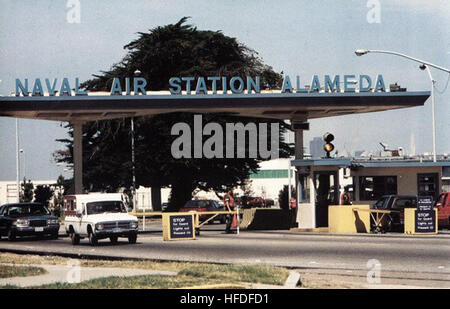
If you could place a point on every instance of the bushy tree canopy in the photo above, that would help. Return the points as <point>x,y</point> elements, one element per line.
<point>172,50</point>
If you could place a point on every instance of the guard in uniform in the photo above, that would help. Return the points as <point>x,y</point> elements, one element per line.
<point>228,201</point>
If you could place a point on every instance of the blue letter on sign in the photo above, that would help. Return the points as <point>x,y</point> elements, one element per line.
<point>65,87</point>
<point>349,81</point>
<point>37,89</point>
<point>77,88</point>
<point>287,85</point>
<point>116,88</point>
<point>239,89</point>
<point>139,85</point>
<point>380,83</point>
<point>174,82</point>
<point>361,83</point>
<point>21,88</point>
<point>315,85</point>
<point>332,85</point>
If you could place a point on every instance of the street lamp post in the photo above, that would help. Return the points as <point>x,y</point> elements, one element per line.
<point>133,167</point>
<point>432,110</point>
<point>424,65</point>
<point>24,163</point>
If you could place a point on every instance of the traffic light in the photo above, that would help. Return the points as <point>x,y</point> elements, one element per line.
<point>328,147</point>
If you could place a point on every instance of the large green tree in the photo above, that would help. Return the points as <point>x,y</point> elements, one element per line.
<point>42,194</point>
<point>163,52</point>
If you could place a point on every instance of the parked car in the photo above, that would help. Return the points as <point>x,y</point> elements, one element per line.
<point>398,203</point>
<point>204,205</point>
<point>443,206</point>
<point>255,202</point>
<point>98,216</point>
<point>27,219</point>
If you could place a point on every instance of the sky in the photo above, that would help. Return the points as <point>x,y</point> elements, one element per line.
<point>296,37</point>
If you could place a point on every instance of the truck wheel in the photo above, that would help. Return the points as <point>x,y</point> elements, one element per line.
<point>92,239</point>
<point>11,235</point>
<point>54,236</point>
<point>113,239</point>
<point>75,238</point>
<point>132,238</point>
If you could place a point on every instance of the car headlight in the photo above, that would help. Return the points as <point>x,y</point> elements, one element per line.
<point>99,226</point>
<point>22,222</point>
<point>52,221</point>
<point>134,225</point>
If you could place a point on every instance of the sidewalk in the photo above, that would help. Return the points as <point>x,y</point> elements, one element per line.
<point>61,273</point>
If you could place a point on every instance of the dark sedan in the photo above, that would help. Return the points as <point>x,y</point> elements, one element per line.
<point>27,219</point>
<point>397,203</point>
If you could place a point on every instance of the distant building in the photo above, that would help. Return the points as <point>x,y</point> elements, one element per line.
<point>316,148</point>
<point>446,178</point>
<point>8,189</point>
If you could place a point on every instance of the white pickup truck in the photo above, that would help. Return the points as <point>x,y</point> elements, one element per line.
<point>98,216</point>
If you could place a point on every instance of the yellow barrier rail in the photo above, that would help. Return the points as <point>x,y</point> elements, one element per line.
<point>213,214</point>
<point>146,214</point>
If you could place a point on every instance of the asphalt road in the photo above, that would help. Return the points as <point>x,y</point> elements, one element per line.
<point>420,257</point>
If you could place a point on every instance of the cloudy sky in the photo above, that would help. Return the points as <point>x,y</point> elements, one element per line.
<point>297,37</point>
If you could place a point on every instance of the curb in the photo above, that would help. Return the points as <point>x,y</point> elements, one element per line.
<point>292,280</point>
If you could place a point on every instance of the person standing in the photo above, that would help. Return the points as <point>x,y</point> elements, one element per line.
<point>228,201</point>
<point>345,197</point>
<point>293,208</point>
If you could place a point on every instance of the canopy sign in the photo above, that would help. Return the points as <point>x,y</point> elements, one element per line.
<point>200,85</point>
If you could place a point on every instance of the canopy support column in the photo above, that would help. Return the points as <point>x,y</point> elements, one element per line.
<point>298,127</point>
<point>78,156</point>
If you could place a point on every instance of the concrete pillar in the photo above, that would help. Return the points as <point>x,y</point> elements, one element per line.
<point>299,149</point>
<point>298,127</point>
<point>78,156</point>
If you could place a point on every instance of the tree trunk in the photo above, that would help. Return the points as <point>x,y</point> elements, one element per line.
<point>181,193</point>
<point>156,198</point>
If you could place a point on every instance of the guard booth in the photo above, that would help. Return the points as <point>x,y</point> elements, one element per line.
<point>317,188</point>
<point>319,182</point>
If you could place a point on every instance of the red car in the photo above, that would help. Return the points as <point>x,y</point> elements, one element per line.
<point>443,206</point>
<point>204,205</point>
<point>256,202</point>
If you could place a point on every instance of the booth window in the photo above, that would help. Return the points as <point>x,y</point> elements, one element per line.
<point>304,188</point>
<point>374,187</point>
<point>427,185</point>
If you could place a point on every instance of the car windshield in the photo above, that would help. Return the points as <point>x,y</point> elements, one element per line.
<point>381,204</point>
<point>27,210</point>
<point>105,206</point>
<point>404,203</point>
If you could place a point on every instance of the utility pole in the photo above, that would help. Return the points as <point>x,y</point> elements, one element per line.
<point>17,160</point>
<point>133,168</point>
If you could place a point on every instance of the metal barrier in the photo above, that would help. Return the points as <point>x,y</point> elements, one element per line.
<point>380,218</point>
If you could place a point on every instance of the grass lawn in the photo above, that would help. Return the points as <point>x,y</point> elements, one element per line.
<point>7,271</point>
<point>144,282</point>
<point>189,274</point>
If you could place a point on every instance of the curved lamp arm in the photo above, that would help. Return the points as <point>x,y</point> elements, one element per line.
<point>360,52</point>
